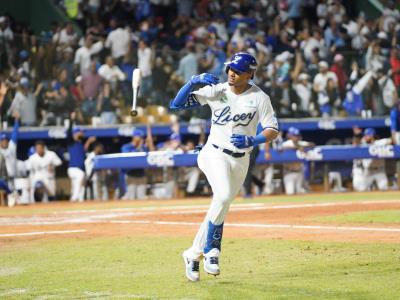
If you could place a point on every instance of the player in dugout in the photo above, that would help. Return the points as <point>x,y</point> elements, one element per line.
<point>237,106</point>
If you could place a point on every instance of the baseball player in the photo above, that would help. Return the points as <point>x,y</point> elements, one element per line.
<point>293,173</point>
<point>41,166</point>
<point>237,107</point>
<point>95,183</point>
<point>76,165</point>
<point>375,169</point>
<point>357,172</point>
<point>8,148</point>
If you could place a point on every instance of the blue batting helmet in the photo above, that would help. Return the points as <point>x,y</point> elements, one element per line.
<point>242,62</point>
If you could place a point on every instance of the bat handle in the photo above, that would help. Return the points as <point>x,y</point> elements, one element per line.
<point>134,113</point>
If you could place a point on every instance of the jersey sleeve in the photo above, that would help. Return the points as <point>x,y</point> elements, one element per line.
<point>267,117</point>
<point>55,160</point>
<point>205,94</point>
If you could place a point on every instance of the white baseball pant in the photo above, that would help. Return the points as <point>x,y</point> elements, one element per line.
<point>268,180</point>
<point>77,189</point>
<point>293,182</point>
<point>192,176</point>
<point>49,185</point>
<point>359,182</point>
<point>226,175</point>
<point>380,178</point>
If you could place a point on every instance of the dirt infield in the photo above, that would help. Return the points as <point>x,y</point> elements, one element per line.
<point>245,220</point>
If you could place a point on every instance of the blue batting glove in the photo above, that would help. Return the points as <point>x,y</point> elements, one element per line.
<point>204,78</point>
<point>242,141</point>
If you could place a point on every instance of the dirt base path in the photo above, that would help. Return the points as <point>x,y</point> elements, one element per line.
<point>252,220</point>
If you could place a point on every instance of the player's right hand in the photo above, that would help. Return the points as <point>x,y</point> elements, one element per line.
<point>204,78</point>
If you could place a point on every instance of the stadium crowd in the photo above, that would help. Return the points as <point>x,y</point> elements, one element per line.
<point>317,58</point>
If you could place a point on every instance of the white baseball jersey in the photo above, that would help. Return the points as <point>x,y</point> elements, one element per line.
<point>293,166</point>
<point>42,166</point>
<point>376,165</point>
<point>89,163</point>
<point>237,114</point>
<point>10,156</point>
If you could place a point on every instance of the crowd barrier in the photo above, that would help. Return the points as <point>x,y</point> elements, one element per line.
<point>125,130</point>
<point>170,159</point>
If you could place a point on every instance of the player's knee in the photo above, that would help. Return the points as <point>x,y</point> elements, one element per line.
<point>223,197</point>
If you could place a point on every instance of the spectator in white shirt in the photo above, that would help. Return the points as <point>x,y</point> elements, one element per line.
<point>83,54</point>
<point>6,38</point>
<point>390,15</point>
<point>303,90</point>
<point>145,64</point>
<point>308,44</point>
<point>321,79</point>
<point>118,40</point>
<point>110,72</point>
<point>25,102</point>
<point>66,37</point>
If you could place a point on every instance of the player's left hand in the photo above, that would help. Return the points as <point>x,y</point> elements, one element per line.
<point>242,141</point>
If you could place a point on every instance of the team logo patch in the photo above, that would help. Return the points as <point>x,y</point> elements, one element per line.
<point>222,96</point>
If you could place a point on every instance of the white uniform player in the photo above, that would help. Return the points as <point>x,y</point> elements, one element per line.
<point>375,169</point>
<point>237,107</point>
<point>358,174</point>
<point>41,166</point>
<point>293,173</point>
<point>8,149</point>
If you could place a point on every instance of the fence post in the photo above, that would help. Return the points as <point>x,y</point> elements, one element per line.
<point>398,173</point>
<point>326,177</point>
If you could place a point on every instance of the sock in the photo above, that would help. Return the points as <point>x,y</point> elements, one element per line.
<point>214,237</point>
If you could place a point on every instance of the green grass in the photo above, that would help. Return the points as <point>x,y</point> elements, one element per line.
<point>376,216</point>
<point>306,198</point>
<point>152,268</point>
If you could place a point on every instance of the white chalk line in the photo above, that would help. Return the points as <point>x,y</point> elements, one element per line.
<point>153,208</point>
<point>42,233</point>
<point>269,226</point>
<point>101,216</point>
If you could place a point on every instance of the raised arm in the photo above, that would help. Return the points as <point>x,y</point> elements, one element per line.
<point>183,95</point>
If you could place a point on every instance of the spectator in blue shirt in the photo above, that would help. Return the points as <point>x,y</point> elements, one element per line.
<point>395,123</point>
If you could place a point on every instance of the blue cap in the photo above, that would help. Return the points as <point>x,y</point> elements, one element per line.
<point>293,131</point>
<point>138,133</point>
<point>76,130</point>
<point>3,136</point>
<point>369,132</point>
<point>175,137</point>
